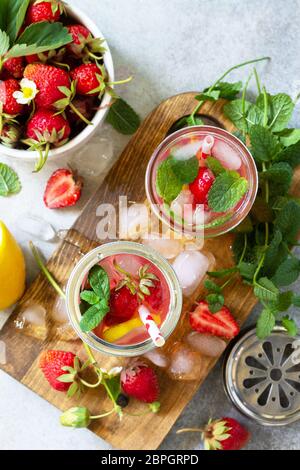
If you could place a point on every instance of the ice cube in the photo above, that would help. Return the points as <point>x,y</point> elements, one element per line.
<point>2,353</point>
<point>134,221</point>
<point>184,152</point>
<point>38,228</point>
<point>182,206</point>
<point>190,267</point>
<point>59,311</point>
<point>208,144</point>
<point>130,263</point>
<point>185,364</point>
<point>206,344</point>
<point>35,315</point>
<point>97,159</point>
<point>169,248</point>
<point>201,216</point>
<point>158,358</point>
<point>227,155</point>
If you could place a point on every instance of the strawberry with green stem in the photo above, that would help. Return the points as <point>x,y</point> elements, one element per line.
<point>10,134</point>
<point>45,129</point>
<point>9,107</point>
<point>84,45</point>
<point>44,10</point>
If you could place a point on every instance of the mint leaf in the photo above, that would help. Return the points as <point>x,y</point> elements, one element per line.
<point>99,281</point>
<point>291,155</point>
<point>288,221</point>
<point>123,118</point>
<point>215,165</point>
<point>194,121</point>
<point>9,181</point>
<point>280,173</point>
<point>255,116</point>
<point>185,122</point>
<point>264,145</point>
<point>222,272</point>
<point>265,323</point>
<point>208,95</point>
<point>265,290</point>
<point>90,297</point>
<point>282,108</point>
<point>15,11</point>
<point>227,90</point>
<point>247,270</point>
<point>40,37</point>
<point>167,184</point>
<point>289,137</point>
<point>226,191</point>
<point>215,302</point>
<point>186,171</point>
<point>93,316</point>
<point>276,253</point>
<point>212,286</point>
<point>4,42</point>
<point>284,301</point>
<point>234,111</point>
<point>290,325</point>
<point>296,300</point>
<point>287,273</point>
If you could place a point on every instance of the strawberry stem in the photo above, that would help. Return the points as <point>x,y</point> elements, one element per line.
<point>89,385</point>
<point>76,111</point>
<point>103,415</point>
<point>43,157</point>
<point>120,82</point>
<point>45,271</point>
<point>181,431</point>
<point>90,354</point>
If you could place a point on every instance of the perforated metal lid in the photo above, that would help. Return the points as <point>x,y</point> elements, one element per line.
<point>262,378</point>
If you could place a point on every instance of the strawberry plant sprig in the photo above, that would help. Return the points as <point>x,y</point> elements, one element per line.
<point>263,247</point>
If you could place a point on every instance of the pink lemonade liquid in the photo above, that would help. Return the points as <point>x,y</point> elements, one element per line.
<point>202,146</point>
<point>122,324</point>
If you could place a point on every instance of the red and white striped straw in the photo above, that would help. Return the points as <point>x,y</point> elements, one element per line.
<point>151,327</point>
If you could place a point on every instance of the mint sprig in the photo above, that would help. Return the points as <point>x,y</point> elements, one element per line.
<point>263,247</point>
<point>227,190</point>
<point>97,298</point>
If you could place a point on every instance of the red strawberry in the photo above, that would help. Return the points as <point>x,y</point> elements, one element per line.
<point>44,11</point>
<point>223,434</point>
<point>44,129</point>
<point>15,66</point>
<point>201,186</point>
<point>140,381</point>
<point>85,107</point>
<point>84,44</point>
<point>155,297</point>
<point>123,305</point>
<point>48,79</point>
<point>51,363</point>
<point>89,79</point>
<point>220,324</point>
<point>63,189</point>
<point>9,103</point>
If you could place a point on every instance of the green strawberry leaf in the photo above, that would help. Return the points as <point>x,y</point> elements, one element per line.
<point>215,166</point>
<point>290,325</point>
<point>9,181</point>
<point>264,145</point>
<point>123,117</point>
<point>40,37</point>
<point>99,281</point>
<point>185,170</point>
<point>93,316</point>
<point>226,191</point>
<point>265,323</point>
<point>15,11</point>
<point>167,184</point>
<point>90,297</point>
<point>266,290</point>
<point>4,42</point>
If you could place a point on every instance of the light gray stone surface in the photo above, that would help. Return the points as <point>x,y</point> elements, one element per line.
<point>170,46</point>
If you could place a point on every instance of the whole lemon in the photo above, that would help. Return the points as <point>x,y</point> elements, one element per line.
<point>12,269</point>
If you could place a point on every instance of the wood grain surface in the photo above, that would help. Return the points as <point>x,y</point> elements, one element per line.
<point>25,344</point>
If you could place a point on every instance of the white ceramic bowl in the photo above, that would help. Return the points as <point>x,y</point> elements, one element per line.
<point>80,139</point>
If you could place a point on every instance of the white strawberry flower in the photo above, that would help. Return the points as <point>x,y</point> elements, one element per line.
<point>112,372</point>
<point>27,93</point>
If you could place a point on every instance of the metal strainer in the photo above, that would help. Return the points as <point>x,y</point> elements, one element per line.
<point>262,378</point>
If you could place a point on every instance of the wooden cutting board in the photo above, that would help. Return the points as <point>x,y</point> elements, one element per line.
<point>24,345</point>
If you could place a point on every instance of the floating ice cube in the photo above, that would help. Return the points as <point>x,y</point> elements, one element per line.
<point>2,353</point>
<point>184,152</point>
<point>59,311</point>
<point>201,216</point>
<point>190,267</point>
<point>185,364</point>
<point>158,358</point>
<point>208,144</point>
<point>182,206</point>
<point>38,228</point>
<point>227,156</point>
<point>35,315</point>
<point>169,248</point>
<point>206,344</point>
<point>134,221</point>
<point>130,263</point>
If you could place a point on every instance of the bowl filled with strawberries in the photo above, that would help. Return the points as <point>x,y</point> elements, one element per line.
<point>56,80</point>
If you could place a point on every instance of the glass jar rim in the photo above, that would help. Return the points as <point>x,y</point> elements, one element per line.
<point>93,257</point>
<point>246,205</point>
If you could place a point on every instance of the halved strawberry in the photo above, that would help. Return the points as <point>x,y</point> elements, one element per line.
<point>220,324</point>
<point>201,186</point>
<point>63,189</point>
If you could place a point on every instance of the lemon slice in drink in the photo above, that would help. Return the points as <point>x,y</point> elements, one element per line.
<point>12,269</point>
